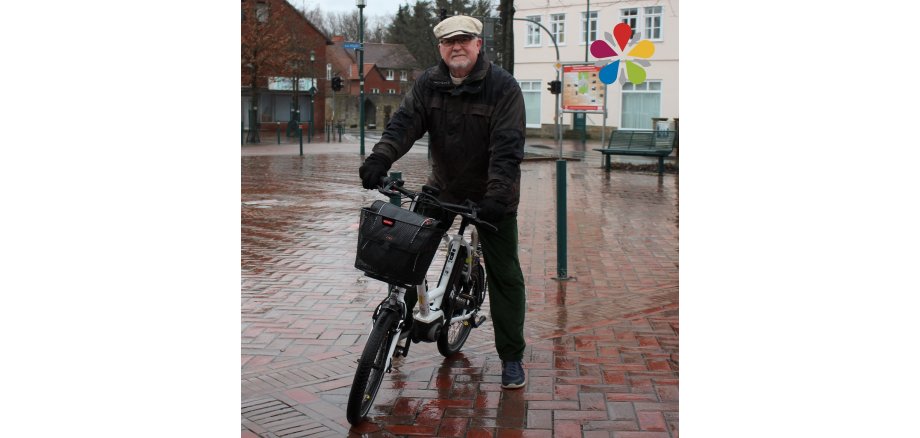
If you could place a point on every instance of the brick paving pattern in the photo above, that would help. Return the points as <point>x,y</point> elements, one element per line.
<point>602,356</point>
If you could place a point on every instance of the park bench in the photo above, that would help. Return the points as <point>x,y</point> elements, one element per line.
<point>658,144</point>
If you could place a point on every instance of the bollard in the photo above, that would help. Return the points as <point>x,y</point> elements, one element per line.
<point>309,132</point>
<point>394,199</point>
<point>278,131</point>
<point>242,133</point>
<point>561,237</point>
<point>300,135</point>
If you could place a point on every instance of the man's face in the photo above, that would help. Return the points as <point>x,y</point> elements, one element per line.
<point>460,52</point>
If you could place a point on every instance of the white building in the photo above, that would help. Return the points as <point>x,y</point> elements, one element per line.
<point>628,106</point>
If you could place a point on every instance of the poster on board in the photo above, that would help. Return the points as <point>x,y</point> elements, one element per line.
<point>582,90</point>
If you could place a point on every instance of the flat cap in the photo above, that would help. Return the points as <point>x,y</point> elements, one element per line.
<point>456,25</point>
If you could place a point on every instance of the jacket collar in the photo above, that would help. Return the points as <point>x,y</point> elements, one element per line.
<point>440,77</point>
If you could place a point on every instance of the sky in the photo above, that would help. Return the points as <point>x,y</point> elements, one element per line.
<point>373,8</point>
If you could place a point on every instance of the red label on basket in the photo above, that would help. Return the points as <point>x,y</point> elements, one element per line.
<point>388,222</point>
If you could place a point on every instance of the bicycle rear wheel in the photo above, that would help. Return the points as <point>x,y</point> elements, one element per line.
<point>371,367</point>
<point>454,335</point>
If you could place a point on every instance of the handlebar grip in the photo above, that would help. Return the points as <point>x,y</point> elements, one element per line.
<point>391,186</point>
<point>386,181</point>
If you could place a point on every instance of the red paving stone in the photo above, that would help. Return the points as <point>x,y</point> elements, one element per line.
<point>602,354</point>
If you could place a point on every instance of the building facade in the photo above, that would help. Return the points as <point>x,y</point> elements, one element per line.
<point>389,72</point>
<point>283,63</point>
<point>628,106</point>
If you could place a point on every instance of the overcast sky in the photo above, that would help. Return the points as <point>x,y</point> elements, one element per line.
<point>373,8</point>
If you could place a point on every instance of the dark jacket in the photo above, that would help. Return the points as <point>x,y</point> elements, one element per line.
<point>476,132</point>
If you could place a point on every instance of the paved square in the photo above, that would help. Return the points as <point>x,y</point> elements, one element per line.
<point>602,356</point>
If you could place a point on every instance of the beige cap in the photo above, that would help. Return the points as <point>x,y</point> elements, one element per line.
<point>458,24</point>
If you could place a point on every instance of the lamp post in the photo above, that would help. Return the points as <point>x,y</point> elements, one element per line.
<point>561,206</point>
<point>361,4</point>
<point>312,91</point>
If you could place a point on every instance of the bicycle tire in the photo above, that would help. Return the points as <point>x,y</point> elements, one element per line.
<point>453,336</point>
<point>370,371</point>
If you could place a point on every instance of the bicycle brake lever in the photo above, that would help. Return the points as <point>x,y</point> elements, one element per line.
<point>474,212</point>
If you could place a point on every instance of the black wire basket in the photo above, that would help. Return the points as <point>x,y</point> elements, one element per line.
<point>396,245</point>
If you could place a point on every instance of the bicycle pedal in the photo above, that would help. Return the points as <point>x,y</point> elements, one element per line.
<point>478,321</point>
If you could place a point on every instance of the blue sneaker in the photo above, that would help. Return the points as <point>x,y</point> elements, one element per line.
<point>513,375</point>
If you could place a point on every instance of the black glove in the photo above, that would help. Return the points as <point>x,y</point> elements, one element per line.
<point>375,167</point>
<point>491,210</point>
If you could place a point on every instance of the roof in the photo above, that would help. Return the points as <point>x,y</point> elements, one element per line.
<point>389,55</point>
<point>394,56</point>
<point>305,19</point>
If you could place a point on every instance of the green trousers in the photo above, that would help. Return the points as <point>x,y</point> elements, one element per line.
<point>507,297</point>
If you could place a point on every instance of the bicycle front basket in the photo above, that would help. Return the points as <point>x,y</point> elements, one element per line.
<point>396,245</point>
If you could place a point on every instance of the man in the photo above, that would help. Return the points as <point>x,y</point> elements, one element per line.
<point>473,112</point>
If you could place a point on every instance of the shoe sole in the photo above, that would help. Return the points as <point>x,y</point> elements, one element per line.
<point>514,385</point>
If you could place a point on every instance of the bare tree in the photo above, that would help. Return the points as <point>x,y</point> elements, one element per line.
<point>264,43</point>
<point>317,17</point>
<point>299,65</point>
<point>377,31</point>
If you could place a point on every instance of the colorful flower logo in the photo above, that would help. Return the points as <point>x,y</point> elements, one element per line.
<point>606,49</point>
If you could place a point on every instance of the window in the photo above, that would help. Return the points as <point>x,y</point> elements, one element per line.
<point>640,103</point>
<point>404,75</point>
<point>644,21</point>
<point>652,29</point>
<point>391,91</point>
<point>375,91</point>
<point>533,31</point>
<point>262,12</point>
<point>631,17</point>
<point>557,27</point>
<point>531,91</point>
<point>390,75</point>
<point>592,30</point>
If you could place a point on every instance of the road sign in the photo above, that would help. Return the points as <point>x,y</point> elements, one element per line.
<point>351,45</point>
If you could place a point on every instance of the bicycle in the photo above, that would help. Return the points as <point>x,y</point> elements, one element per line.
<point>446,314</point>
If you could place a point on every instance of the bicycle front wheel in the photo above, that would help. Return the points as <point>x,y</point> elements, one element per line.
<point>371,367</point>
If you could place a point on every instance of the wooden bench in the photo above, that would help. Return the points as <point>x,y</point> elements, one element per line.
<point>640,143</point>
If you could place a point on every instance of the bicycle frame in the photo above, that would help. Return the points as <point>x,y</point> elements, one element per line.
<point>429,301</point>
<point>429,309</point>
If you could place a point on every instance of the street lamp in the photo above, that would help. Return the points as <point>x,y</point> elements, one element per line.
<point>361,4</point>
<point>312,90</point>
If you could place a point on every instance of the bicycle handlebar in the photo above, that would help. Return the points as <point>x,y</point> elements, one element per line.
<point>393,186</point>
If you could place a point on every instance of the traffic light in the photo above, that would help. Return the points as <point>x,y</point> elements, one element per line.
<point>555,87</point>
<point>337,83</point>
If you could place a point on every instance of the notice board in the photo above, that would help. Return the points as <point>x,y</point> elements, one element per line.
<point>582,89</point>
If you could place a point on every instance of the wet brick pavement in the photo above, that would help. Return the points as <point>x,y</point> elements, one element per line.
<point>602,355</point>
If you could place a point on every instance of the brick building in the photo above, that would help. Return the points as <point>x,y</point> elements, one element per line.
<point>277,43</point>
<point>389,71</point>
